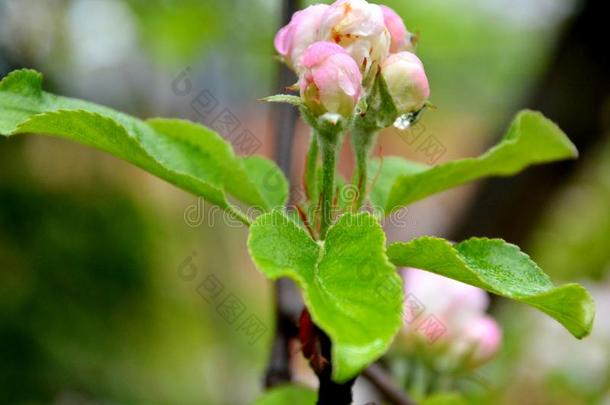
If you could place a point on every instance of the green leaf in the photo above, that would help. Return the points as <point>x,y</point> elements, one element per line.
<point>284,98</point>
<point>503,269</point>
<point>384,172</point>
<point>351,290</point>
<point>288,394</point>
<point>268,180</point>
<point>185,154</point>
<point>531,139</point>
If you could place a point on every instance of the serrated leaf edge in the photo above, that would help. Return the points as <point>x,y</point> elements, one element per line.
<point>586,327</point>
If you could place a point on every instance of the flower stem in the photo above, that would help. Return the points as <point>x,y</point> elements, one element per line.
<point>362,140</point>
<point>328,142</point>
<point>310,177</point>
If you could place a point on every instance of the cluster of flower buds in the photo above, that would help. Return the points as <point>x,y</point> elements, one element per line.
<point>336,48</point>
<point>471,336</point>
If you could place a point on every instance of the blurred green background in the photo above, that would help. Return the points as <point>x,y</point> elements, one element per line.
<point>92,307</point>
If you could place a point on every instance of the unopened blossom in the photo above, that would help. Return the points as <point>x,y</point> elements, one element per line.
<point>454,303</point>
<point>302,31</point>
<point>479,340</point>
<point>471,336</point>
<point>406,79</point>
<point>401,39</point>
<point>359,27</point>
<point>330,81</point>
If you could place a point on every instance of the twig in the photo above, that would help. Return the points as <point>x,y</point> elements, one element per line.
<point>278,369</point>
<point>330,392</point>
<point>384,384</point>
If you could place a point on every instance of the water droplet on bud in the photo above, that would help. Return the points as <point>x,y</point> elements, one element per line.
<point>333,118</point>
<point>403,121</point>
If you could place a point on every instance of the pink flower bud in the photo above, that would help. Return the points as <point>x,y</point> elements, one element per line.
<point>358,27</point>
<point>470,338</point>
<point>407,82</point>
<point>452,302</point>
<point>480,340</point>
<point>302,31</point>
<point>402,40</point>
<point>331,80</point>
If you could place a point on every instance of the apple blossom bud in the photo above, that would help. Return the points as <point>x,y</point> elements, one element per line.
<point>358,27</point>
<point>480,339</point>
<point>302,31</point>
<point>406,79</point>
<point>331,80</point>
<point>452,302</point>
<point>469,336</point>
<point>401,39</point>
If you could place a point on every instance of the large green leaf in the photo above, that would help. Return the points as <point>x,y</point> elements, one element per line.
<point>267,179</point>
<point>500,268</point>
<point>351,290</point>
<point>384,172</point>
<point>288,394</point>
<point>531,139</point>
<point>185,154</point>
